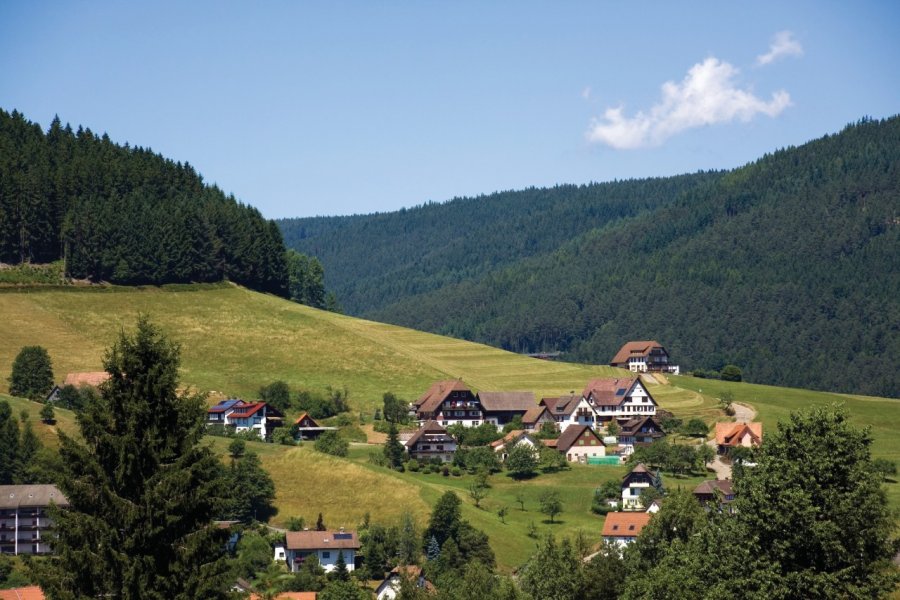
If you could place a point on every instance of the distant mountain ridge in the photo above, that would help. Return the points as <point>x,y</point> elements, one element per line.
<point>788,267</point>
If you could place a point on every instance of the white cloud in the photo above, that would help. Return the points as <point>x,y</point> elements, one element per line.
<point>784,44</point>
<point>706,96</point>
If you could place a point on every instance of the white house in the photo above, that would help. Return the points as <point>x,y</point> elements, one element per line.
<point>390,587</point>
<point>259,417</point>
<point>644,356</point>
<point>622,528</point>
<point>325,545</point>
<point>517,437</point>
<point>570,410</point>
<point>619,398</point>
<point>449,402</point>
<point>639,479</point>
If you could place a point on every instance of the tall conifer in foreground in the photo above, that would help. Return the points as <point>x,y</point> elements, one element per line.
<point>142,490</point>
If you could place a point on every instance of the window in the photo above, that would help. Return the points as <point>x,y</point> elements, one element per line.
<point>475,423</point>
<point>326,554</point>
<point>444,423</point>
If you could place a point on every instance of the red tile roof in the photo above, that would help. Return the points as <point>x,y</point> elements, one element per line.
<point>32,592</point>
<point>709,487</point>
<point>92,378</point>
<point>247,410</point>
<point>730,434</point>
<point>321,540</point>
<point>306,416</point>
<point>625,524</point>
<point>630,349</point>
<point>605,391</point>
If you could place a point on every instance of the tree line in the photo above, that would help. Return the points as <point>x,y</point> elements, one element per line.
<point>125,214</point>
<point>786,268</point>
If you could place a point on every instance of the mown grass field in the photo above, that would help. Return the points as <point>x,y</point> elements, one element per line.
<point>234,340</point>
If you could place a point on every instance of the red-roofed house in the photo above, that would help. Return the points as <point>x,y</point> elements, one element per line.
<point>259,417</point>
<point>31,592</point>
<point>730,435</point>
<point>622,528</point>
<point>449,402</point>
<point>306,428</point>
<point>326,545</point>
<point>644,356</point>
<point>620,398</point>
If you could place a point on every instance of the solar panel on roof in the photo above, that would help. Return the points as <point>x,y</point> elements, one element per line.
<point>343,536</point>
<point>620,392</point>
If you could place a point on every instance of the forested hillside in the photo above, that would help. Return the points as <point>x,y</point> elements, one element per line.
<point>788,267</point>
<point>375,260</point>
<point>124,214</point>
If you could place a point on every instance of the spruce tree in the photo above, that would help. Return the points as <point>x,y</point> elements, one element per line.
<point>9,445</point>
<point>393,449</point>
<point>32,373</point>
<point>142,491</point>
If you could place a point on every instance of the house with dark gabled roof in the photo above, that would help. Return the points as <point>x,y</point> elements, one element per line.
<point>715,492</point>
<point>431,441</point>
<point>570,410</point>
<point>619,398</point>
<point>390,587</point>
<point>622,528</point>
<point>635,482</point>
<point>644,356</point>
<point>500,408</point>
<point>580,442</point>
<point>640,431</point>
<point>535,417</point>
<point>449,402</point>
<point>306,428</point>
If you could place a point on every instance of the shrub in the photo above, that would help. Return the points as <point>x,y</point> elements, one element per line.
<point>456,471</point>
<point>732,373</point>
<point>330,442</point>
<point>445,470</point>
<point>412,465</point>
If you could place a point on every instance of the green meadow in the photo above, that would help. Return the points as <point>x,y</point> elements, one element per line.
<point>235,340</point>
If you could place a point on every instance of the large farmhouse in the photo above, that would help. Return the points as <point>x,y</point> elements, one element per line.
<point>644,356</point>
<point>619,398</point>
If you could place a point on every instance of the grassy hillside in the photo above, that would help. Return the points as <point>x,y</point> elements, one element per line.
<point>234,339</point>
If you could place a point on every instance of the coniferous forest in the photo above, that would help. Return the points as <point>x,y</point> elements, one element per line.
<point>125,214</point>
<point>788,267</point>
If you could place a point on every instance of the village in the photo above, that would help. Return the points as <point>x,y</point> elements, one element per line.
<point>612,421</point>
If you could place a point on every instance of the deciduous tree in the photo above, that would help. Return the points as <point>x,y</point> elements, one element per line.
<point>32,373</point>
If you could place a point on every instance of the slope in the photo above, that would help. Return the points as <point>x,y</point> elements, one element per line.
<point>787,267</point>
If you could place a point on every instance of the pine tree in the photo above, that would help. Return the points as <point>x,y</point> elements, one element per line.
<point>434,550</point>
<point>340,572</point>
<point>142,491</point>
<point>393,449</point>
<point>9,445</point>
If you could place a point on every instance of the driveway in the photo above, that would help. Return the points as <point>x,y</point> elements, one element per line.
<point>742,414</point>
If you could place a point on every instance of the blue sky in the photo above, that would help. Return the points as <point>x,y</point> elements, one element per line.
<point>307,108</point>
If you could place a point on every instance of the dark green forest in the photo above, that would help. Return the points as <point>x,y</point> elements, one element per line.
<point>125,214</point>
<point>788,267</point>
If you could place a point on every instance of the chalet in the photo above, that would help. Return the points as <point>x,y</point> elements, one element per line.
<point>535,417</point>
<point>431,441</point>
<point>390,587</point>
<point>306,428</point>
<point>514,438</point>
<point>640,431</point>
<point>85,379</point>
<point>325,545</point>
<point>25,527</point>
<point>714,492</point>
<point>643,357</point>
<point>730,435</point>
<point>449,403</point>
<point>500,408</point>
<point>570,410</point>
<point>635,482</point>
<point>619,398</point>
<point>580,442</point>
<point>622,528</point>
<point>259,417</point>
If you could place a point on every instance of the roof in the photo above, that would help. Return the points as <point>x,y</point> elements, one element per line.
<point>93,378</point>
<point>633,426</point>
<point>710,486</point>
<point>568,437</point>
<point>729,434</point>
<point>508,401</point>
<point>306,416</point>
<point>609,391</point>
<point>321,540</point>
<point>437,393</point>
<point>641,348</point>
<point>533,414</point>
<point>625,524</point>
<point>225,405</point>
<point>429,427</point>
<point>31,592</point>
<point>250,409</point>
<point>512,436</point>
<point>290,596</point>
<point>550,443</point>
<point>563,405</point>
<point>14,496</point>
